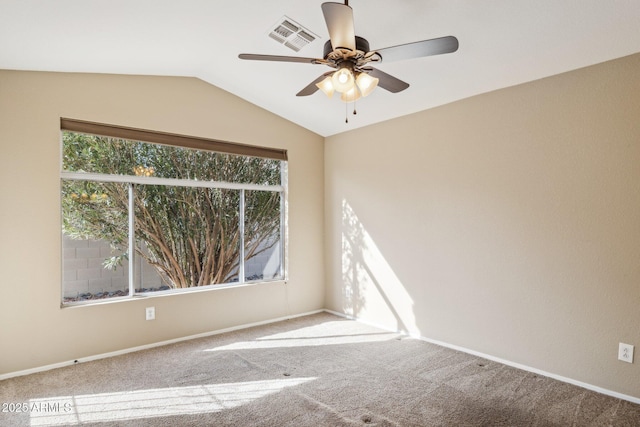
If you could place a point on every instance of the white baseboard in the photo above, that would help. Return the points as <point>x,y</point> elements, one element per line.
<point>504,362</point>
<point>148,346</point>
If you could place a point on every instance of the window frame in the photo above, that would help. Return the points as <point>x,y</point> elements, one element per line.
<point>188,142</point>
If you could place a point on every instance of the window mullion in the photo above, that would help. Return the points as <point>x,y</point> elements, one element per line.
<point>241,274</point>
<point>132,240</point>
<point>284,218</point>
<point>86,176</point>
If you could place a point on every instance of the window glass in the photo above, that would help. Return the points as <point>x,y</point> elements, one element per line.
<point>105,155</point>
<point>193,218</point>
<point>262,230</point>
<point>191,236</point>
<point>94,243</point>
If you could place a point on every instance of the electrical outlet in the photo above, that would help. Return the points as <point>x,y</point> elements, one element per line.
<point>150,313</point>
<point>625,352</point>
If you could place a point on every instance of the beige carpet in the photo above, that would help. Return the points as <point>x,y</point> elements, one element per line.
<point>318,370</point>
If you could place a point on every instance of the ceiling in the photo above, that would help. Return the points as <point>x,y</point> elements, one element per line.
<point>502,43</point>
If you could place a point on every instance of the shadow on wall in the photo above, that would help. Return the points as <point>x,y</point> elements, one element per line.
<point>371,290</point>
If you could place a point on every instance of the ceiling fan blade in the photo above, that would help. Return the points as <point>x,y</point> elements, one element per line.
<point>278,58</point>
<point>311,88</point>
<point>419,49</point>
<point>339,19</point>
<point>387,81</point>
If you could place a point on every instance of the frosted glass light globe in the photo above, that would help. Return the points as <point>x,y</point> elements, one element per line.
<point>342,80</point>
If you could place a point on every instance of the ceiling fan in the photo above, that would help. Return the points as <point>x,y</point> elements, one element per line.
<point>351,57</point>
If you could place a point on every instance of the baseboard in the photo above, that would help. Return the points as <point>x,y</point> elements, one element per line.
<point>148,346</point>
<point>536,371</point>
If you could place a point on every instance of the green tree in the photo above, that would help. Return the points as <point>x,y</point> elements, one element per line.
<point>191,235</point>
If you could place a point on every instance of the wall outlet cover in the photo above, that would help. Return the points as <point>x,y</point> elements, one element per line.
<point>625,352</point>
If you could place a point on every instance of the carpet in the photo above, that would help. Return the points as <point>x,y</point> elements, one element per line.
<point>317,370</point>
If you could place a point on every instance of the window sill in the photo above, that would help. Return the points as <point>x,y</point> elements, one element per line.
<point>170,292</point>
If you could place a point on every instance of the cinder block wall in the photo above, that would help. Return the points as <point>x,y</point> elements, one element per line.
<point>84,270</point>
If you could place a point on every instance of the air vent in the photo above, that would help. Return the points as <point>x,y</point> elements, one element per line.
<point>291,34</point>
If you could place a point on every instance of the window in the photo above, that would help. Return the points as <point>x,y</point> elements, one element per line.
<point>146,212</point>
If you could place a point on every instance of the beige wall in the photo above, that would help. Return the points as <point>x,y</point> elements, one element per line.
<point>507,224</point>
<point>34,330</point>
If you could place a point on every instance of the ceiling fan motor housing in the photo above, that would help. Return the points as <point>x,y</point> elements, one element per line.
<point>362,45</point>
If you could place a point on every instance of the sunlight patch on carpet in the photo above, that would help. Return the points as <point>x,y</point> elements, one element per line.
<point>313,336</point>
<point>161,402</point>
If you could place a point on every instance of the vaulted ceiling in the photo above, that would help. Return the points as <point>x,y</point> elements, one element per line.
<point>502,43</point>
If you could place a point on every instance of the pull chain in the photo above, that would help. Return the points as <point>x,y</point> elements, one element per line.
<point>346,112</point>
